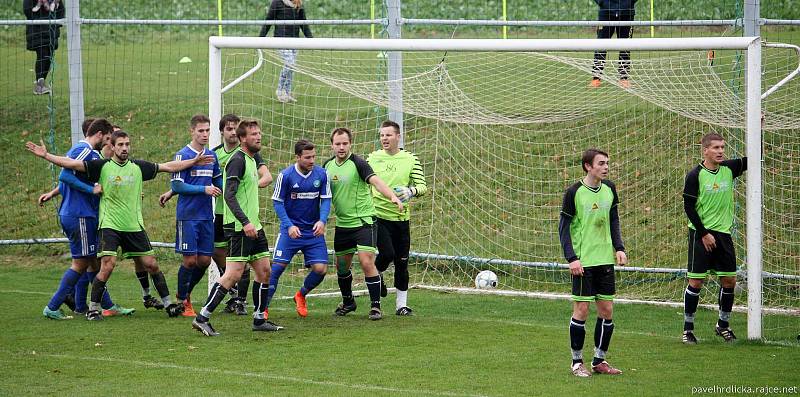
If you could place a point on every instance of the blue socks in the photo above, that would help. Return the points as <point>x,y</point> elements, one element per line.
<point>184,279</point>
<point>81,289</point>
<point>197,275</point>
<point>67,285</point>
<point>312,281</point>
<point>275,275</point>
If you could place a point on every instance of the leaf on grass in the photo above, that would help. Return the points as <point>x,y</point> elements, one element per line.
<point>192,347</point>
<point>98,344</point>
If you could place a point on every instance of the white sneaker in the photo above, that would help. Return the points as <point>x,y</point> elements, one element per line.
<point>282,96</point>
<point>290,97</point>
<point>579,370</point>
<point>40,87</point>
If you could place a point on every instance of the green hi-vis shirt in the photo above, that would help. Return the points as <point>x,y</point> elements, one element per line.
<point>121,201</point>
<point>589,214</point>
<point>402,169</point>
<point>243,168</point>
<point>352,194</point>
<point>708,196</point>
<point>223,156</point>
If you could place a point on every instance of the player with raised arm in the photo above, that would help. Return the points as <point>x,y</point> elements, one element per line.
<point>350,178</point>
<point>302,201</point>
<point>248,243</point>
<point>194,213</point>
<point>708,203</point>
<point>120,219</point>
<point>82,286</point>
<point>230,142</point>
<point>590,236</point>
<point>78,216</point>
<point>402,171</point>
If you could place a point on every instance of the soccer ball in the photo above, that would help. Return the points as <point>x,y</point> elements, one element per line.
<point>486,279</point>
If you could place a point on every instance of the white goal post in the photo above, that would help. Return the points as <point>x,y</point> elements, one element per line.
<point>750,45</point>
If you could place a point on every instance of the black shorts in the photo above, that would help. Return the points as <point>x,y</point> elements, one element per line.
<point>246,249</point>
<point>597,283</point>
<point>720,261</point>
<point>394,239</point>
<point>220,239</point>
<point>132,243</point>
<point>349,240</point>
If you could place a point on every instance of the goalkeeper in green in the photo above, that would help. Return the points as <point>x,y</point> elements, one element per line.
<point>402,171</point>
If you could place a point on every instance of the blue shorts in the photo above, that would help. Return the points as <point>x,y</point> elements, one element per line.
<point>194,237</point>
<point>314,249</point>
<point>82,235</point>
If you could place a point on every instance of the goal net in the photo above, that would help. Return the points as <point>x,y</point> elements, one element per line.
<point>499,127</point>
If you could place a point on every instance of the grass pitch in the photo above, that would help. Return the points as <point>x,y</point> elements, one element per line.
<point>455,345</point>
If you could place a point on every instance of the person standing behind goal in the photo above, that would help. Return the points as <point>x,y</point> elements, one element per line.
<point>708,202</point>
<point>592,242</point>
<point>402,171</point>
<point>614,10</point>
<point>286,10</point>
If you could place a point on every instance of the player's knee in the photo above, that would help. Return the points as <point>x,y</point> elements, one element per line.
<point>320,269</point>
<point>580,310</point>
<point>189,262</point>
<point>696,282</point>
<point>150,265</point>
<point>401,264</point>
<point>342,266</point>
<point>728,282</point>
<point>604,309</point>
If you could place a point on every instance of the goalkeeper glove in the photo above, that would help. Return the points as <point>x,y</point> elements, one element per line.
<point>404,193</point>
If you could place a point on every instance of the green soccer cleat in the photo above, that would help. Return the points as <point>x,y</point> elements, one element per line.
<point>55,314</point>
<point>118,310</point>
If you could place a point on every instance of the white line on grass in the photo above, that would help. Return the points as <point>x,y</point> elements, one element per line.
<point>355,386</point>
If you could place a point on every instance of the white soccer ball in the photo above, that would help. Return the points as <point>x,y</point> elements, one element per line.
<point>486,279</point>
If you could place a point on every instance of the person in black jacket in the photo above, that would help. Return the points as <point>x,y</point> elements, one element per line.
<point>42,39</point>
<point>286,10</point>
<point>614,10</point>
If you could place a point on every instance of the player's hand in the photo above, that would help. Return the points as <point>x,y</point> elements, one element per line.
<point>404,193</point>
<point>622,259</point>
<point>44,197</point>
<point>576,268</point>
<point>294,232</point>
<point>709,242</point>
<point>38,151</point>
<point>398,203</point>
<point>250,231</point>
<point>213,191</point>
<point>319,228</point>
<point>203,159</point>
<point>97,189</point>
<point>162,199</point>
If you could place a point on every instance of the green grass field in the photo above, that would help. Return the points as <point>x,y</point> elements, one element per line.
<point>456,345</point>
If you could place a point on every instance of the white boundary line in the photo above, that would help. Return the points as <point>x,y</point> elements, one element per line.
<point>160,365</point>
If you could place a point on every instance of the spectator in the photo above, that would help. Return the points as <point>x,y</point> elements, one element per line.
<point>286,10</point>
<point>614,10</point>
<point>42,39</point>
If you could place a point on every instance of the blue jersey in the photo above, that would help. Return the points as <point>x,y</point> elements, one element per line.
<point>301,194</point>
<point>195,207</point>
<point>75,202</point>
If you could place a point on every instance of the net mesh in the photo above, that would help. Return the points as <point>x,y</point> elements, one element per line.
<point>500,137</point>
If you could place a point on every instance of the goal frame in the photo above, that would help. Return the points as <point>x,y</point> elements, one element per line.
<point>750,45</point>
